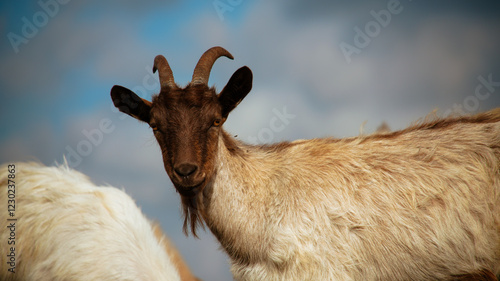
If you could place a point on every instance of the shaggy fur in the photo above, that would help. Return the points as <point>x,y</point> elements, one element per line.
<point>418,204</point>
<point>422,203</point>
<point>69,229</point>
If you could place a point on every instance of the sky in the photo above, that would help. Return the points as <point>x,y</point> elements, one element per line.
<point>321,68</point>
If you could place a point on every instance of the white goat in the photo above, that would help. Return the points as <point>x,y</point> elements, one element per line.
<point>417,204</point>
<point>67,228</point>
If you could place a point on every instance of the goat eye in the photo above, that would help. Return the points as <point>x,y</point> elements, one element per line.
<point>155,129</point>
<point>216,123</point>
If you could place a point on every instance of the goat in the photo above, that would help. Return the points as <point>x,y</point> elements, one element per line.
<point>69,229</point>
<point>421,203</point>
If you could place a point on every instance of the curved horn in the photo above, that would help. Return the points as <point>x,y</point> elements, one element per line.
<point>204,65</point>
<point>164,72</point>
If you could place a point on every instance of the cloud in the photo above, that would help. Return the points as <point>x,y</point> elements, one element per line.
<point>37,143</point>
<point>68,47</point>
<point>132,7</point>
<point>435,63</point>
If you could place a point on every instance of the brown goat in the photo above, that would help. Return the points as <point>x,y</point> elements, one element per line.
<point>422,203</point>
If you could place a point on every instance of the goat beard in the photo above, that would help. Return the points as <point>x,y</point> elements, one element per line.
<point>194,206</point>
<point>193,214</point>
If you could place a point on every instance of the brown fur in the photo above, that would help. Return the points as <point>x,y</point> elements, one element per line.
<point>421,203</point>
<point>483,275</point>
<point>184,271</point>
<point>383,128</point>
<point>409,164</point>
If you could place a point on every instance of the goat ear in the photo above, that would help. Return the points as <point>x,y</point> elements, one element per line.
<point>235,90</point>
<point>129,103</point>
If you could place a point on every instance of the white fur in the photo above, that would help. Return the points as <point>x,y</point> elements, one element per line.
<point>69,229</point>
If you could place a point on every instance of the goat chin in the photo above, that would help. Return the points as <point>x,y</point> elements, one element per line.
<point>418,204</point>
<point>67,228</point>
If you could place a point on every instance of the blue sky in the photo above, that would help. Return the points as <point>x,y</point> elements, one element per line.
<point>55,84</point>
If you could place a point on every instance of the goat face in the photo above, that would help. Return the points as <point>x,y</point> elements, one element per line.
<point>187,121</point>
<point>186,124</point>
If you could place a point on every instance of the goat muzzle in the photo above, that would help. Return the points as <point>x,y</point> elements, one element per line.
<point>188,179</point>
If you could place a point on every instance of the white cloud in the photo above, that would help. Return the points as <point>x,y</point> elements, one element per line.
<point>408,74</point>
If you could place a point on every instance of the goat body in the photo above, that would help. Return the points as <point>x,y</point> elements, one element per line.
<point>69,229</point>
<point>417,204</point>
<point>422,203</point>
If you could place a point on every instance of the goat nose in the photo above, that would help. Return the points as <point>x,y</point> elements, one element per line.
<point>185,169</point>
